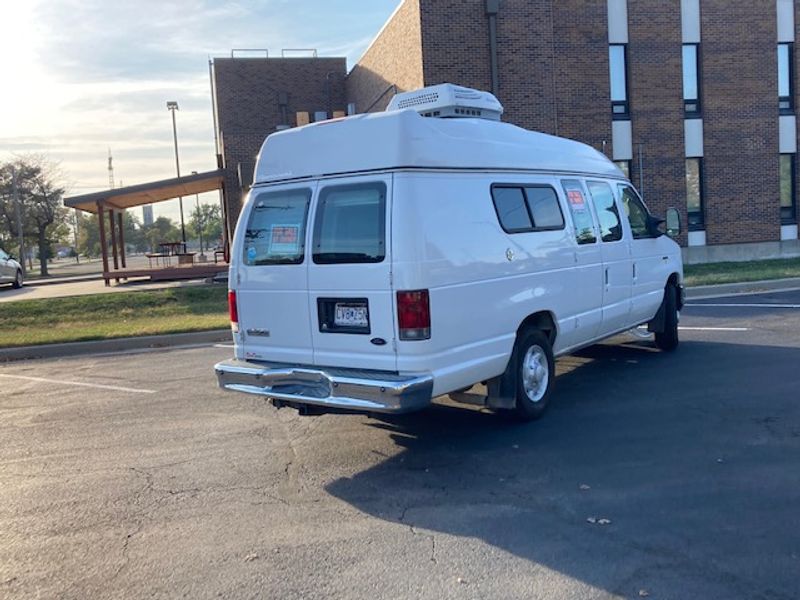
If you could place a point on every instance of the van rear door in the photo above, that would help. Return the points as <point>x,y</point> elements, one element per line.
<point>351,299</point>
<point>272,275</point>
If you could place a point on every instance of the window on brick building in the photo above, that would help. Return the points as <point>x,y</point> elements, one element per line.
<point>691,80</point>
<point>694,193</point>
<point>785,78</point>
<point>618,72</point>
<point>787,169</point>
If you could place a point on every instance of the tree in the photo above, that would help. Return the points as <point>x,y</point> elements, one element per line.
<point>41,199</point>
<point>207,220</point>
<point>162,230</point>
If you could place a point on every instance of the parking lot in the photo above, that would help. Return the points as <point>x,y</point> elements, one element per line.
<point>653,475</point>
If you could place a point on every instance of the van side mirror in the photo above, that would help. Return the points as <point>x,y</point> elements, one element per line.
<point>654,226</point>
<point>673,222</point>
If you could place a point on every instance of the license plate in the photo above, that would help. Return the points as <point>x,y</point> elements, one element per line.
<point>351,315</point>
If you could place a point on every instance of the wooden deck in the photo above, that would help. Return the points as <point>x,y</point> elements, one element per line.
<point>169,273</point>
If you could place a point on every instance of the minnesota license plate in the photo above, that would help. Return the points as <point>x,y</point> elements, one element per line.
<point>351,315</point>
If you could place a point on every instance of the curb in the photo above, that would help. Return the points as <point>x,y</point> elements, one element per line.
<point>57,280</point>
<point>147,342</point>
<point>749,287</point>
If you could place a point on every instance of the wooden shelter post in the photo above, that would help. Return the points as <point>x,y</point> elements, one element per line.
<point>103,246</point>
<point>120,223</point>
<point>113,240</point>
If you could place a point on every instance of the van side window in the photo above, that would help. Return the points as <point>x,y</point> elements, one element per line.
<point>276,228</point>
<point>607,213</point>
<point>544,206</point>
<point>637,213</point>
<point>529,208</point>
<point>350,224</point>
<point>581,215</point>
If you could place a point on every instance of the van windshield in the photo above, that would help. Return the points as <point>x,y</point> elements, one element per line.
<point>350,224</point>
<point>276,228</point>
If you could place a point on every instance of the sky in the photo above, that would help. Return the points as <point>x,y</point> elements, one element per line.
<point>85,76</point>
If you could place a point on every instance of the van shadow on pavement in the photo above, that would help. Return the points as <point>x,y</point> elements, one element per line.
<point>694,457</point>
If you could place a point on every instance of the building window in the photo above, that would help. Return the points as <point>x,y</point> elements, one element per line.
<point>694,193</point>
<point>788,214</point>
<point>618,71</point>
<point>785,78</point>
<point>625,167</point>
<point>691,80</point>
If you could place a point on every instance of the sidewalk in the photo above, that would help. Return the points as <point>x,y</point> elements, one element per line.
<point>86,287</point>
<point>747,287</point>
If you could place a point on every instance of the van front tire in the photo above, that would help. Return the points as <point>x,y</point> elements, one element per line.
<point>17,280</point>
<point>667,340</point>
<point>535,374</point>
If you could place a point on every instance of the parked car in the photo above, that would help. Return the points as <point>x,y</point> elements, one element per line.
<point>10,270</point>
<point>382,260</point>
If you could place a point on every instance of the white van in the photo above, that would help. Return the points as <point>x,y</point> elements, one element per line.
<point>382,260</point>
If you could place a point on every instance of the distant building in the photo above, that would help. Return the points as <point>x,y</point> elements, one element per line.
<point>695,101</point>
<point>147,215</point>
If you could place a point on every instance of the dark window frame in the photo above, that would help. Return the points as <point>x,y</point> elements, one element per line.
<point>628,166</point>
<point>693,107</point>
<point>789,215</point>
<point>523,187</point>
<point>317,228</point>
<point>620,109</point>
<point>786,103</point>
<point>700,224</point>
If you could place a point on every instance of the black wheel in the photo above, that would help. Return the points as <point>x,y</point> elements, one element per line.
<point>18,280</point>
<point>667,340</point>
<point>535,374</point>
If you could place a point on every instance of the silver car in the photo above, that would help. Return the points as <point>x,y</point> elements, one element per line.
<point>10,270</point>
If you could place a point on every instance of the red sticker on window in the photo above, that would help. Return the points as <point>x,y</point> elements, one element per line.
<point>576,199</point>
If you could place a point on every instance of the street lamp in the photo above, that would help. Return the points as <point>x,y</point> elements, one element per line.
<point>172,106</point>
<point>200,223</point>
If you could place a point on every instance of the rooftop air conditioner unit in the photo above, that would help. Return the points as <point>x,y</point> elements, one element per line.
<point>448,100</point>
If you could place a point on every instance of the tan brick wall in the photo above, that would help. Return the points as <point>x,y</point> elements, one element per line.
<point>247,96</point>
<point>393,59</point>
<point>740,111</point>
<point>583,101</point>
<point>655,84</point>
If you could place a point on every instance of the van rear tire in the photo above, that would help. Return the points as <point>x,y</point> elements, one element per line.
<point>534,367</point>
<point>667,340</point>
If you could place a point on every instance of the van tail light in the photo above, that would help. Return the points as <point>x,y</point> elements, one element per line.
<point>233,311</point>
<point>414,315</point>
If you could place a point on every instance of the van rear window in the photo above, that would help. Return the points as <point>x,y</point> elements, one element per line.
<point>276,228</point>
<point>350,224</point>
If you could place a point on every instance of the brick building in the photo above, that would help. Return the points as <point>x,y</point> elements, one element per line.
<point>695,99</point>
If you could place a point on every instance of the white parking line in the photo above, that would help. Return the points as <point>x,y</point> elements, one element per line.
<point>714,328</point>
<point>114,388</point>
<point>224,346</point>
<point>733,305</point>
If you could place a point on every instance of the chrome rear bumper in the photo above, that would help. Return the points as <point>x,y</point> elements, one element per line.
<point>350,389</point>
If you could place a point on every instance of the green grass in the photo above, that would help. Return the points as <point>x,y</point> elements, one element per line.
<point>738,272</point>
<point>105,316</point>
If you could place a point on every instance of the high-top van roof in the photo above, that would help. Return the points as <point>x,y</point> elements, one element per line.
<point>405,139</point>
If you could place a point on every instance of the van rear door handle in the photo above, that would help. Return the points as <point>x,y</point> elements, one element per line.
<point>606,275</point>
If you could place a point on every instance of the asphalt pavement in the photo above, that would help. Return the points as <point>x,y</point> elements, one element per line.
<point>653,475</point>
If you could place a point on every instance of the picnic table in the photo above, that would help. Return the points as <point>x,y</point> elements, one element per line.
<point>173,248</point>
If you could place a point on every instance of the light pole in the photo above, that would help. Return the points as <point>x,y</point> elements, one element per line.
<point>172,106</point>
<point>200,223</point>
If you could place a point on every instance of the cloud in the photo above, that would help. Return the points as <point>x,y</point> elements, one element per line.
<point>95,74</point>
